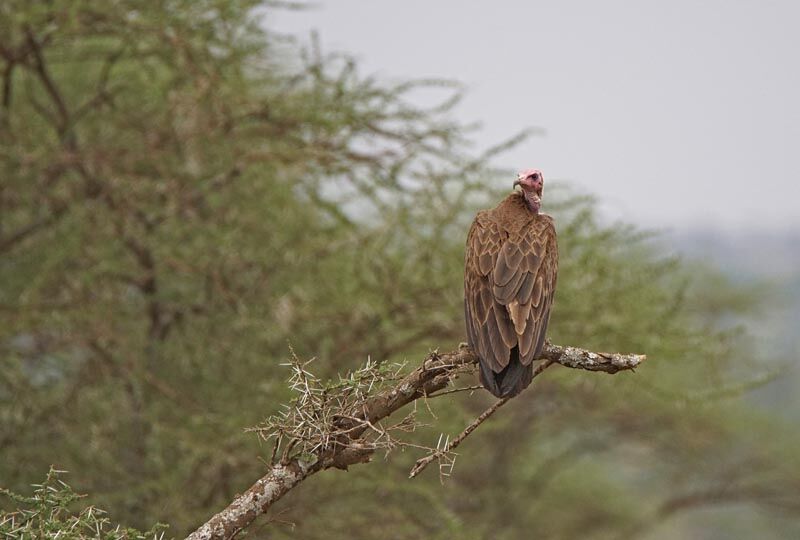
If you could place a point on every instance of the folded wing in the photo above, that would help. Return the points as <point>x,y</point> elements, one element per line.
<point>509,281</point>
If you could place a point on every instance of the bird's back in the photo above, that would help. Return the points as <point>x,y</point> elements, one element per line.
<point>509,280</point>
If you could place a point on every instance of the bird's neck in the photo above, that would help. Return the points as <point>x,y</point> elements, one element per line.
<point>523,199</point>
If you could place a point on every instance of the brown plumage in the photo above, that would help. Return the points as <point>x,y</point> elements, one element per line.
<point>510,273</point>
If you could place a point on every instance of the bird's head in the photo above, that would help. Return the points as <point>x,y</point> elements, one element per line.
<point>532,183</point>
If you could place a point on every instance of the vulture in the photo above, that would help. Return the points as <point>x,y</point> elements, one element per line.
<point>511,264</point>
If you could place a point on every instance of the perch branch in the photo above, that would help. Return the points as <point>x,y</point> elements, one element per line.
<point>436,373</point>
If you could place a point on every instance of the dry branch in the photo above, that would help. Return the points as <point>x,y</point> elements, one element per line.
<point>354,437</point>
<point>451,445</point>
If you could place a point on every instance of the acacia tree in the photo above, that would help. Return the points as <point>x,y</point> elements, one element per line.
<point>183,193</point>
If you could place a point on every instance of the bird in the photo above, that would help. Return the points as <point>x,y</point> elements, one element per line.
<point>510,274</point>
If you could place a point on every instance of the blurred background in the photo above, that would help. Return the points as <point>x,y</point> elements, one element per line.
<point>188,188</point>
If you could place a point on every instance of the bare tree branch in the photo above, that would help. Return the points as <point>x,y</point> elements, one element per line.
<point>350,443</point>
<point>5,101</point>
<point>17,236</point>
<point>40,68</point>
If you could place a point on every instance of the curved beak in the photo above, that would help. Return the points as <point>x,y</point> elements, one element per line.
<point>516,183</point>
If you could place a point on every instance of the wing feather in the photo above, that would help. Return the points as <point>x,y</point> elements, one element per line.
<point>505,326</point>
<point>506,293</point>
<point>543,241</point>
<point>526,287</point>
<point>499,351</point>
<point>507,265</point>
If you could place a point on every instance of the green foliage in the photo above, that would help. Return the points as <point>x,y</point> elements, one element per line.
<point>47,513</point>
<point>184,194</point>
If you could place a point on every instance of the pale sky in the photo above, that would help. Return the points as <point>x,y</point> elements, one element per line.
<point>675,113</point>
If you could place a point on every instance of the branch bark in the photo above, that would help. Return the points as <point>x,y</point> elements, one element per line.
<point>436,372</point>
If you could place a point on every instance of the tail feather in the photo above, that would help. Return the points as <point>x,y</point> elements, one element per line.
<point>509,382</point>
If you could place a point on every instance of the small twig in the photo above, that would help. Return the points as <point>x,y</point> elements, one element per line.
<point>438,454</point>
<point>275,449</point>
<point>40,68</point>
<point>288,451</point>
<point>454,390</point>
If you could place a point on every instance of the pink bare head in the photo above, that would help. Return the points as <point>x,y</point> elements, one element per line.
<point>532,183</point>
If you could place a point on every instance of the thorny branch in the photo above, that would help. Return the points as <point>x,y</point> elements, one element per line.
<point>340,424</point>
